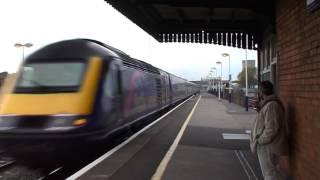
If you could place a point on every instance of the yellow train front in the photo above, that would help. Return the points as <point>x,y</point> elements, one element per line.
<point>81,91</point>
<point>55,95</point>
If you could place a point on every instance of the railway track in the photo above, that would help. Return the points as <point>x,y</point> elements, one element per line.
<point>56,168</point>
<point>36,168</point>
<point>5,160</point>
<point>4,163</point>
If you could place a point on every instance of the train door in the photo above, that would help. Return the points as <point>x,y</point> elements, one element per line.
<point>170,90</point>
<point>111,96</point>
<point>159,91</point>
<point>167,90</point>
<point>164,80</point>
<point>163,89</point>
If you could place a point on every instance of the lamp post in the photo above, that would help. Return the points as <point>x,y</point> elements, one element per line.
<point>212,70</point>
<point>213,79</point>
<point>209,76</point>
<point>246,63</point>
<point>209,80</point>
<point>219,62</point>
<point>228,55</point>
<point>19,45</point>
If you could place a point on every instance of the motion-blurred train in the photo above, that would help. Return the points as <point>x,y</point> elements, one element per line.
<point>86,90</point>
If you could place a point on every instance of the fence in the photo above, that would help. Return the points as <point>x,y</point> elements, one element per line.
<point>238,96</point>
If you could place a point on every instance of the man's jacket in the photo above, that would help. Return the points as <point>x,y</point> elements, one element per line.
<point>270,127</point>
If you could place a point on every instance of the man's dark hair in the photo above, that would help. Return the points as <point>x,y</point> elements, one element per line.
<point>266,87</point>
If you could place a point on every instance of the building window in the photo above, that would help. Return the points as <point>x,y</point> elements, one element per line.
<point>266,76</point>
<point>274,48</point>
<point>261,61</point>
<point>265,58</point>
<point>268,60</point>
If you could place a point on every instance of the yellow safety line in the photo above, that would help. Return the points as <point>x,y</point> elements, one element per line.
<point>165,161</point>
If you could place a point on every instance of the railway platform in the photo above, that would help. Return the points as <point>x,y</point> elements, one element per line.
<point>202,138</point>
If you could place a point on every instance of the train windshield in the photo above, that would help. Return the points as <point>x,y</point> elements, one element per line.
<point>46,77</point>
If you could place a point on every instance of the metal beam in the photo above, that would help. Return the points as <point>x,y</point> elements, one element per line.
<point>181,15</point>
<point>216,25</point>
<point>144,13</point>
<point>146,18</point>
<point>209,3</point>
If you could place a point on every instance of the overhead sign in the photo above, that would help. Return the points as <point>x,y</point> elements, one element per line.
<point>313,5</point>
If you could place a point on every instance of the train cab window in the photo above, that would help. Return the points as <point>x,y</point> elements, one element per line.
<point>50,77</point>
<point>111,83</point>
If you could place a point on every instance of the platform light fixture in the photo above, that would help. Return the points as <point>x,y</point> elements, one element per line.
<point>219,62</point>
<point>19,45</point>
<point>228,55</point>
<point>214,69</point>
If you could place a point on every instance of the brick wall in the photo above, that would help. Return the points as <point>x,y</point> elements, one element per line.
<point>298,42</point>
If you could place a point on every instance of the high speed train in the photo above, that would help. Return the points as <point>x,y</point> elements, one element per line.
<point>85,90</point>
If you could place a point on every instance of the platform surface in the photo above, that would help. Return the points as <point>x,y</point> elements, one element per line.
<point>202,153</point>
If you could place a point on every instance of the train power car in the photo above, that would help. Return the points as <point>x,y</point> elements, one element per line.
<point>84,90</point>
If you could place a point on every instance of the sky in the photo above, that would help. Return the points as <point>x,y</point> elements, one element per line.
<point>42,22</point>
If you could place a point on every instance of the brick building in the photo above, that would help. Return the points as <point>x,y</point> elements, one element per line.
<point>298,49</point>
<point>290,58</point>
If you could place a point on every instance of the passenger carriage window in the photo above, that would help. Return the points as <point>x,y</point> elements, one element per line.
<point>115,76</point>
<point>111,83</point>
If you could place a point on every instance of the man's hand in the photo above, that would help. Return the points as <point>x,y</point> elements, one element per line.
<point>254,103</point>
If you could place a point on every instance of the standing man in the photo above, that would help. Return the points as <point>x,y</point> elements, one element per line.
<point>269,136</point>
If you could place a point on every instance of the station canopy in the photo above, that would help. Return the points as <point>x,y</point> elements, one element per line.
<point>236,23</point>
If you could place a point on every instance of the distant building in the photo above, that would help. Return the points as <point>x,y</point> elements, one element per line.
<point>251,63</point>
<point>3,76</point>
<point>8,84</point>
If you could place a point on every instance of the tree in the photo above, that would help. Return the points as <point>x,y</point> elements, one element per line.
<point>252,77</point>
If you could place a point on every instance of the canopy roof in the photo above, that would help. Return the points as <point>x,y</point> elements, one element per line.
<point>223,22</point>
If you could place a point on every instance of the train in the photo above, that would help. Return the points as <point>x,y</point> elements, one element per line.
<point>84,90</point>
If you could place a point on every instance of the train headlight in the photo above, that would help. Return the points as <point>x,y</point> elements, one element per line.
<point>79,122</point>
<point>7,123</point>
<point>63,124</point>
